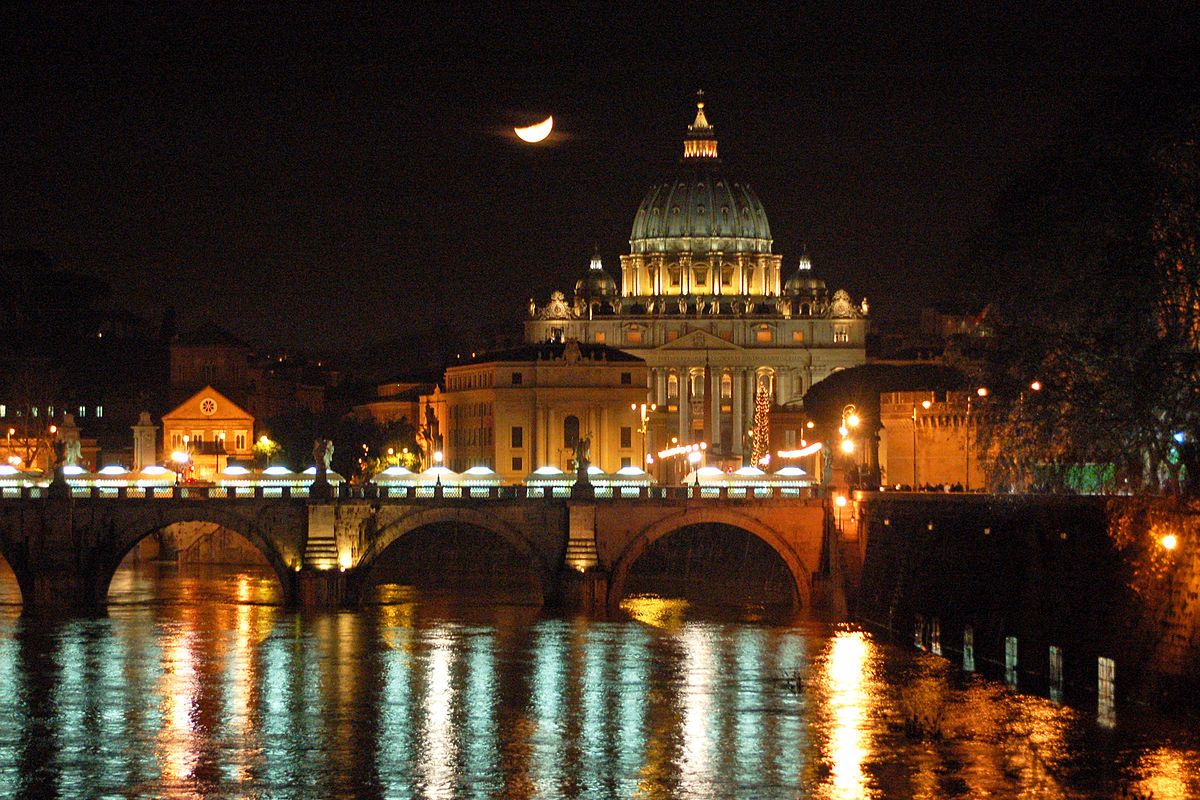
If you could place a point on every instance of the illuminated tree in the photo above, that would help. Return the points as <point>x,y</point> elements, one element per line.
<point>762,424</point>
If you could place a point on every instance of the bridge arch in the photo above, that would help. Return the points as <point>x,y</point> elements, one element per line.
<point>801,573</point>
<point>135,530</point>
<point>7,566</point>
<point>454,515</point>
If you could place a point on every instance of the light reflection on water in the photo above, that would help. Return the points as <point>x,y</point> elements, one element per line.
<point>195,685</point>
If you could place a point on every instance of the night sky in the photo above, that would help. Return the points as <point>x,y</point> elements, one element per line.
<point>319,182</point>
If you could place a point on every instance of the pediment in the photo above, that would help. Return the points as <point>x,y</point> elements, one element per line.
<point>208,403</point>
<point>699,340</point>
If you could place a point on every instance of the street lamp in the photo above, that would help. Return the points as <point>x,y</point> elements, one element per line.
<point>925,404</point>
<point>644,411</point>
<point>981,392</point>
<point>850,420</point>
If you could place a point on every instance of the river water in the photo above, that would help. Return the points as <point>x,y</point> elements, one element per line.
<point>196,685</point>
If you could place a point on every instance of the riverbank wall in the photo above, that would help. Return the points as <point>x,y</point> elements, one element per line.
<point>1038,589</point>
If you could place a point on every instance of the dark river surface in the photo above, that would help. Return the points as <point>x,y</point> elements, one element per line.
<point>195,685</point>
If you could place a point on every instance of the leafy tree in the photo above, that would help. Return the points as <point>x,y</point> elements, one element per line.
<point>1097,313</point>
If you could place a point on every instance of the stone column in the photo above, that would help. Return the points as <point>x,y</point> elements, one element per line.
<point>739,406</point>
<point>660,394</point>
<point>779,390</point>
<point>713,423</point>
<point>685,387</point>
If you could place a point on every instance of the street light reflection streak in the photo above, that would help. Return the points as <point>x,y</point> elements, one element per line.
<point>848,702</point>
<point>695,769</point>
<point>440,752</point>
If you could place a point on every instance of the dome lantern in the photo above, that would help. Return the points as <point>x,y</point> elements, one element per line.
<point>701,141</point>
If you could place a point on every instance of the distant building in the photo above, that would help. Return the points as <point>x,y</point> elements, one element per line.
<point>211,429</point>
<point>267,386</point>
<point>704,301</point>
<point>394,401</point>
<point>520,409</point>
<point>934,445</point>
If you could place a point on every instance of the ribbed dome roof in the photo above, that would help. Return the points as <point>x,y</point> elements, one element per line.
<point>700,209</point>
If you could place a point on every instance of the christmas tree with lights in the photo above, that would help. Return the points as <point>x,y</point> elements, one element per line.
<point>762,424</point>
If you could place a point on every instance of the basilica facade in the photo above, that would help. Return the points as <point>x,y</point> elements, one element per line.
<point>704,301</point>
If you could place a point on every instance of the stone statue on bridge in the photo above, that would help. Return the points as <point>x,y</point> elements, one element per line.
<point>73,453</point>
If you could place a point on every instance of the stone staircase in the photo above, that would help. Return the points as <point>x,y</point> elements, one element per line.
<point>320,551</point>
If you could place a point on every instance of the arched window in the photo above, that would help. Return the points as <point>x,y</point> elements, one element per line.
<point>672,386</point>
<point>726,386</point>
<point>571,431</point>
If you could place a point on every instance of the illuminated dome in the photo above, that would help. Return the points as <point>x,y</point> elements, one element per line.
<point>596,282</point>
<point>700,209</point>
<point>802,281</point>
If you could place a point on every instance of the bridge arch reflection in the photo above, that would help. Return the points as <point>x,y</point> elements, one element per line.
<point>799,573</point>
<point>166,520</point>
<point>453,549</point>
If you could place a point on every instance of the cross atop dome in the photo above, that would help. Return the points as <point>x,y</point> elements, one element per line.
<point>701,141</point>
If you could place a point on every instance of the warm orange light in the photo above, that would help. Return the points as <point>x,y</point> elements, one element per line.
<point>54,429</point>
<point>982,391</point>
<point>1169,542</point>
<point>853,420</point>
<point>808,424</point>
<point>847,445</point>
<point>535,133</point>
<point>925,404</point>
<point>840,500</point>
<point>1036,386</point>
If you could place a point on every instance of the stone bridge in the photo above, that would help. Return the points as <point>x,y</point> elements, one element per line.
<point>65,550</point>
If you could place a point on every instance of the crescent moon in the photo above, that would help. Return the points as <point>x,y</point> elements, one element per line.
<point>535,133</point>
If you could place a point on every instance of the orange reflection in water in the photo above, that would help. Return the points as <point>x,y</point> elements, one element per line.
<point>177,741</point>
<point>1168,774</point>
<point>848,698</point>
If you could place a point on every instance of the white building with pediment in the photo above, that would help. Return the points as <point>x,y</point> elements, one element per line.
<point>704,303</point>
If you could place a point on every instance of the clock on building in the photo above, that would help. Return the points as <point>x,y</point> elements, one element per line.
<point>208,406</point>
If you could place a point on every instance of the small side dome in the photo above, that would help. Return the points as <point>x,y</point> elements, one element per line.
<point>802,281</point>
<point>596,282</point>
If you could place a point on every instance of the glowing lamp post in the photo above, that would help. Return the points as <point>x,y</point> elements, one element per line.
<point>981,392</point>
<point>925,404</point>
<point>644,410</point>
<point>850,422</point>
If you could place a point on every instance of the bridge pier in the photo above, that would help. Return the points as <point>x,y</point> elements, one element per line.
<point>321,588</point>
<point>585,591</point>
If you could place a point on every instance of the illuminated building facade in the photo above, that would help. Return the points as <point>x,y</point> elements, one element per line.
<point>704,302</point>
<point>211,429</point>
<point>516,410</point>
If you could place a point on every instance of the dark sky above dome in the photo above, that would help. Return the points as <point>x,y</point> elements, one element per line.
<point>317,180</point>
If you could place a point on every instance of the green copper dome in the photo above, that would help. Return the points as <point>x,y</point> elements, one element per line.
<point>700,209</point>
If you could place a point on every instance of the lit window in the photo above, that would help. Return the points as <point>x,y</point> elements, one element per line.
<point>99,411</point>
<point>633,337</point>
<point>3,410</point>
<point>797,336</point>
<point>763,334</point>
<point>726,387</point>
<point>672,386</point>
<point>626,437</point>
<point>35,411</point>
<point>599,337</point>
<point>841,334</point>
<point>672,335</point>
<point>82,411</point>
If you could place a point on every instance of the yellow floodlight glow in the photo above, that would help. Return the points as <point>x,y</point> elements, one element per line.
<point>840,501</point>
<point>853,420</point>
<point>982,391</point>
<point>925,404</point>
<point>1036,386</point>
<point>1169,542</point>
<point>847,445</point>
<point>179,457</point>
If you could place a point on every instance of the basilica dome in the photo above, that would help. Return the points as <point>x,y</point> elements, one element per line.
<point>700,209</point>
